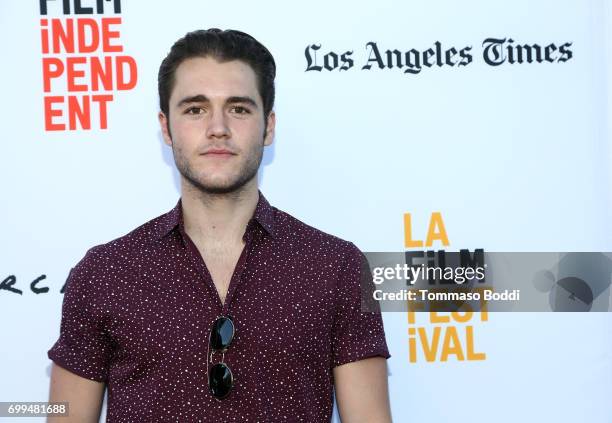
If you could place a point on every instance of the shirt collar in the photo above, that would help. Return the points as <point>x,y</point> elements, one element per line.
<point>264,215</point>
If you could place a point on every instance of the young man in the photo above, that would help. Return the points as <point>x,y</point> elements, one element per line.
<point>225,308</point>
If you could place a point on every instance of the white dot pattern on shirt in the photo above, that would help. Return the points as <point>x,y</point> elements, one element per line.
<point>138,311</point>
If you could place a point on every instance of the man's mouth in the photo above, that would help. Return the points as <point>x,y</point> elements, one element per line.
<point>218,152</point>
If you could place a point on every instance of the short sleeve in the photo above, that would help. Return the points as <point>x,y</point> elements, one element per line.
<point>356,334</point>
<point>82,347</point>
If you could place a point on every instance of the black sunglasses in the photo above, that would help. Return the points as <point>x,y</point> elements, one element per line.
<point>220,377</point>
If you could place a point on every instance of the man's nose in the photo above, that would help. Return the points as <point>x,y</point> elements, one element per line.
<point>217,125</point>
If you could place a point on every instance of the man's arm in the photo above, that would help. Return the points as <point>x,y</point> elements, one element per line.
<point>84,396</point>
<point>362,393</point>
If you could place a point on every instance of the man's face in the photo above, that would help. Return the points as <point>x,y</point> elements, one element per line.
<point>217,128</point>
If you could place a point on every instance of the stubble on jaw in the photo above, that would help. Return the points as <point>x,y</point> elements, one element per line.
<point>234,184</point>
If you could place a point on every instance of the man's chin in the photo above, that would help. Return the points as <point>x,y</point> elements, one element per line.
<point>220,187</point>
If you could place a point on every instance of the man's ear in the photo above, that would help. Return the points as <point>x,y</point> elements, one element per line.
<point>165,130</point>
<point>270,125</point>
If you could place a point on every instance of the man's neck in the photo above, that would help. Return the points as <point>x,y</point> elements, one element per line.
<point>218,218</point>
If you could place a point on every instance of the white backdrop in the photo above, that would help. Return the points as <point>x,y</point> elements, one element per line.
<point>515,157</point>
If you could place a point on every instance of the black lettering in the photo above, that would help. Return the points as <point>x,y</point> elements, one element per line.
<point>43,7</point>
<point>7,285</point>
<point>466,56</point>
<point>394,57</point>
<point>80,10</point>
<point>37,290</point>
<point>413,62</point>
<point>442,265</point>
<point>471,260</point>
<point>528,53</point>
<point>66,282</point>
<point>566,53</point>
<point>334,60</point>
<point>449,56</point>
<point>310,60</point>
<point>347,62</point>
<point>100,6</point>
<point>493,53</point>
<point>439,53</point>
<point>428,54</point>
<point>510,52</point>
<point>431,262</point>
<point>548,51</point>
<point>65,7</point>
<point>377,58</point>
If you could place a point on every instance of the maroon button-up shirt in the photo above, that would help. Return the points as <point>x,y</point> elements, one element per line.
<point>138,311</point>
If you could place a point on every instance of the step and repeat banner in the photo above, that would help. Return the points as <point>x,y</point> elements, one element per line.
<point>410,127</point>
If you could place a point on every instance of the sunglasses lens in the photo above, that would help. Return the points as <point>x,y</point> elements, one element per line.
<point>220,380</point>
<point>222,334</point>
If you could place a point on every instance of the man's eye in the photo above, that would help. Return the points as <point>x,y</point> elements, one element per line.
<point>240,110</point>
<point>194,111</point>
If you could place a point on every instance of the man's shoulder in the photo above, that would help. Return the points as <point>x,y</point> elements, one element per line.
<point>306,237</point>
<point>137,241</point>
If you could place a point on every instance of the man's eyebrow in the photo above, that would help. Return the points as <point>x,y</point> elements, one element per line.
<point>201,98</point>
<point>242,99</point>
